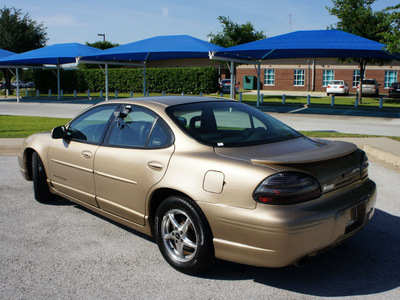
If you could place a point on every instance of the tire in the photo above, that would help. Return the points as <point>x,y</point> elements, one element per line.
<point>183,235</point>
<point>39,178</point>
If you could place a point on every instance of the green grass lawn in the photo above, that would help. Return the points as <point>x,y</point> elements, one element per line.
<point>22,126</point>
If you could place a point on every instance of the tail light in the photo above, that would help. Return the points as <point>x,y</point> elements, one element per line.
<point>328,86</point>
<point>287,188</point>
<point>341,87</point>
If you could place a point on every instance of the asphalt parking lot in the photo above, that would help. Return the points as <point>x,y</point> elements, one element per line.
<point>62,251</point>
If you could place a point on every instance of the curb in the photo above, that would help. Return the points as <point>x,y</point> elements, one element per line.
<point>385,156</point>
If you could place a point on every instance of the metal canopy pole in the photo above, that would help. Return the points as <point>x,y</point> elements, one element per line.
<point>106,75</point>
<point>17,75</point>
<point>258,84</point>
<point>144,80</point>
<point>232,79</point>
<point>58,83</point>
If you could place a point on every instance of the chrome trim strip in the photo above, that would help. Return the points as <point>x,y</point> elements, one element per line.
<point>115,177</point>
<point>72,165</point>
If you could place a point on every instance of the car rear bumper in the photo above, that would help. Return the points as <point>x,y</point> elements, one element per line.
<point>277,236</point>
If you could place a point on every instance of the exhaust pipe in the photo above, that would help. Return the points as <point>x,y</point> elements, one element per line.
<point>302,261</point>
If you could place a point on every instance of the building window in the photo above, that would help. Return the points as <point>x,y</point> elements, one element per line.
<point>356,78</point>
<point>269,77</point>
<point>299,77</point>
<point>328,76</point>
<point>390,77</point>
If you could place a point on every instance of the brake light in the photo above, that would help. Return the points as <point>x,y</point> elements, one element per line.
<point>341,87</point>
<point>328,86</point>
<point>287,188</point>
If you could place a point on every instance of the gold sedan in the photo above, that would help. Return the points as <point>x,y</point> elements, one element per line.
<point>208,177</point>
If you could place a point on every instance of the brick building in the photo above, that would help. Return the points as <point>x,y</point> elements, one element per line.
<point>314,74</point>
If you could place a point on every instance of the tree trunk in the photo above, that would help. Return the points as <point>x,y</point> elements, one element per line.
<point>363,64</point>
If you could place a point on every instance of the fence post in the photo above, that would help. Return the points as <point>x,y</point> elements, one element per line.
<point>101,94</point>
<point>240,96</point>
<point>88,94</point>
<point>49,93</point>
<point>221,95</point>
<point>283,99</point>
<point>201,93</point>
<point>116,94</point>
<point>308,100</point>
<point>380,102</point>
<point>37,93</point>
<point>131,94</point>
<point>262,98</point>
<point>332,100</point>
<point>74,93</point>
<point>356,102</point>
<point>62,93</point>
<point>26,93</point>
<point>163,93</point>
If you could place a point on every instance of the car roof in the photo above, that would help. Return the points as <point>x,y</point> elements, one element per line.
<point>166,101</point>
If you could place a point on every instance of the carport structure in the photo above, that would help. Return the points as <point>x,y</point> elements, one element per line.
<point>303,44</point>
<point>53,56</point>
<point>5,53</point>
<point>152,49</point>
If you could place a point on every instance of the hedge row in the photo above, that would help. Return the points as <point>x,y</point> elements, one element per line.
<point>172,80</point>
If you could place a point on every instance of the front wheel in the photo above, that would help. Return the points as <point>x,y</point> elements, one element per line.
<point>183,235</point>
<point>39,178</point>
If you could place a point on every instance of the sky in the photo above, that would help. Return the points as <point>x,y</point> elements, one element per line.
<point>125,21</point>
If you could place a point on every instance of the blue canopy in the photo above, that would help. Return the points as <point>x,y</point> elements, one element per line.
<point>157,48</point>
<point>57,54</point>
<point>313,44</point>
<point>5,53</point>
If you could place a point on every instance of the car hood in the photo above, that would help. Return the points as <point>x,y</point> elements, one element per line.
<point>296,151</point>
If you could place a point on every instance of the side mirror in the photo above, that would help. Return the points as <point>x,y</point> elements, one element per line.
<point>59,132</point>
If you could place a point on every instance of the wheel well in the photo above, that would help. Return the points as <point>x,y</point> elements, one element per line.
<point>157,197</point>
<point>28,161</point>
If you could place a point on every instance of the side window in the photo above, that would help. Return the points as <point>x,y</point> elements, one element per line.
<point>139,129</point>
<point>91,126</point>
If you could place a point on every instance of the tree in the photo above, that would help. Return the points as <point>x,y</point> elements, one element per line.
<point>358,17</point>
<point>102,45</point>
<point>391,37</point>
<point>19,33</point>
<point>99,45</point>
<point>235,34</point>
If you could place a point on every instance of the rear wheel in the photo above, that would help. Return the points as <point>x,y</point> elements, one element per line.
<point>40,186</point>
<point>183,235</point>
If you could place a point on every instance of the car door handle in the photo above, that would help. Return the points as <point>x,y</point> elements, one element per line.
<point>155,165</point>
<point>86,154</point>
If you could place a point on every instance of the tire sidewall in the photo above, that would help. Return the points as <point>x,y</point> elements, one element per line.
<point>205,251</point>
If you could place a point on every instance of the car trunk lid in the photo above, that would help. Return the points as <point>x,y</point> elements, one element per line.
<point>333,163</point>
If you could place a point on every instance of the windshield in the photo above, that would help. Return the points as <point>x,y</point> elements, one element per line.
<point>230,124</point>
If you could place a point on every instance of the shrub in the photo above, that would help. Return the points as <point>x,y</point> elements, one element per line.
<point>172,80</point>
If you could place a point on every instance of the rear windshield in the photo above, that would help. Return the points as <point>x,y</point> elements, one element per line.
<point>336,82</point>
<point>229,124</point>
<point>368,81</point>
